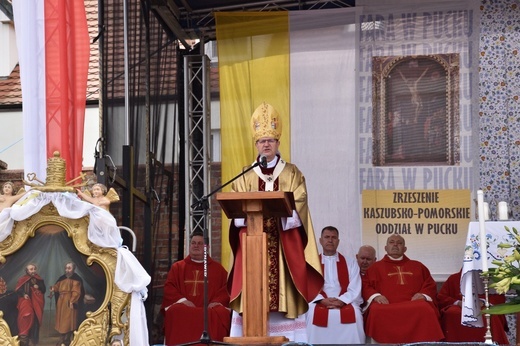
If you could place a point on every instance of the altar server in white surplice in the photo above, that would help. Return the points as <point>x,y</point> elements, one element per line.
<point>334,316</point>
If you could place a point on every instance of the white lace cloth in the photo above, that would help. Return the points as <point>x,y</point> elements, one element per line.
<point>130,276</point>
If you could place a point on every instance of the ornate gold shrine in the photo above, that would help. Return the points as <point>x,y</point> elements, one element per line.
<point>29,242</point>
<point>56,168</point>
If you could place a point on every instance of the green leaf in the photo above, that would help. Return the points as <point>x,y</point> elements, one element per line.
<point>502,309</point>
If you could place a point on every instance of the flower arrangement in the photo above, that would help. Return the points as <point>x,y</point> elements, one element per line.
<point>506,276</point>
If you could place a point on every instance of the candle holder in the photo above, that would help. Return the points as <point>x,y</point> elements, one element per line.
<point>488,338</point>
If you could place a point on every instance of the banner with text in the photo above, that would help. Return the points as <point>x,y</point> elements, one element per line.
<point>434,224</point>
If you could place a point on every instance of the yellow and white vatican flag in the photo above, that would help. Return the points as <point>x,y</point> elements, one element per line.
<point>303,63</point>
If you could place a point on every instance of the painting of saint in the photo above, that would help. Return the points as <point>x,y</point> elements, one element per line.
<point>47,288</point>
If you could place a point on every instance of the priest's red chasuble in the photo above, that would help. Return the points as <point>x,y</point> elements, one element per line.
<point>182,323</point>
<point>403,320</point>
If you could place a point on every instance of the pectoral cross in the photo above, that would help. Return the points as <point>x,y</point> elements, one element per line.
<point>195,282</point>
<point>401,274</point>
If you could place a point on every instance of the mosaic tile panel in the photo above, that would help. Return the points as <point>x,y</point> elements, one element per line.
<point>499,102</point>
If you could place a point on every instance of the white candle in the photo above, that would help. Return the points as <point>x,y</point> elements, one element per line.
<point>503,213</point>
<point>482,229</point>
<point>486,211</point>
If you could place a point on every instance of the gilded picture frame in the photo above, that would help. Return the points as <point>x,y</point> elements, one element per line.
<point>415,114</point>
<point>105,318</point>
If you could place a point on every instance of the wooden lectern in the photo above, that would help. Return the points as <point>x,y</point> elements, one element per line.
<point>255,293</point>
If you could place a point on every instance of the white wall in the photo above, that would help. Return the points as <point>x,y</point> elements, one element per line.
<point>92,134</point>
<point>8,51</point>
<point>11,141</point>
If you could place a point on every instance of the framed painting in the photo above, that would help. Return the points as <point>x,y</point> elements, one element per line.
<point>56,286</point>
<point>416,110</point>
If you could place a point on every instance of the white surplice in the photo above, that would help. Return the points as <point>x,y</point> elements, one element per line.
<point>336,332</point>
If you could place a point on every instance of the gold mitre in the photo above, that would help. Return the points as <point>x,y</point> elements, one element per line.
<point>266,122</point>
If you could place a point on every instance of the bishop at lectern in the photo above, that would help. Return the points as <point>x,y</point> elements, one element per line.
<point>293,264</point>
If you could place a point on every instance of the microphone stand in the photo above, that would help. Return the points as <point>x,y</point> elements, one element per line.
<point>203,203</point>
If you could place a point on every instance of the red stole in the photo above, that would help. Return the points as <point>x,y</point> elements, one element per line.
<point>321,312</point>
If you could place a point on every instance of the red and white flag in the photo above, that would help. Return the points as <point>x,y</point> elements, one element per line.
<point>54,51</point>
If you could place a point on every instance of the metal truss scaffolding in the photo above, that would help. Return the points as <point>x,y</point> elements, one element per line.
<point>197,143</point>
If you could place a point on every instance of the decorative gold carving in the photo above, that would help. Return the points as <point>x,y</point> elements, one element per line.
<point>5,333</point>
<point>101,325</point>
<point>56,169</point>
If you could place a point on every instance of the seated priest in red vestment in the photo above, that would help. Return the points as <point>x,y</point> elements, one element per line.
<point>401,298</point>
<point>334,316</point>
<point>365,257</point>
<point>183,301</point>
<point>450,303</point>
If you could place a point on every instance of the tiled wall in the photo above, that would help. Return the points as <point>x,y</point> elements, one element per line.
<point>499,108</point>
